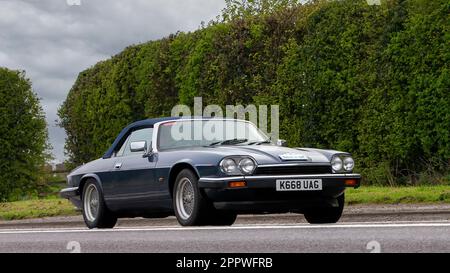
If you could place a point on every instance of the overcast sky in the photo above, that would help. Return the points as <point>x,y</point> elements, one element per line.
<point>54,40</point>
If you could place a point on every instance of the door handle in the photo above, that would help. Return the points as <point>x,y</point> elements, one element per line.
<point>118,165</point>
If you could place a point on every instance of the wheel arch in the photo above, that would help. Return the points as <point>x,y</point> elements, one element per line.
<point>85,179</point>
<point>176,169</point>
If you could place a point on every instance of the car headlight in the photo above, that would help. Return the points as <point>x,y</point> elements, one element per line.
<point>247,165</point>
<point>336,163</point>
<point>348,163</point>
<point>229,166</point>
<point>238,165</point>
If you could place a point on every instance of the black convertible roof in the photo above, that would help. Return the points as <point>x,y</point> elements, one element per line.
<point>141,124</point>
<point>133,126</point>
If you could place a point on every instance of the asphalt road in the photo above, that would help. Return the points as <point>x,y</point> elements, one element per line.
<point>390,228</point>
<point>403,236</point>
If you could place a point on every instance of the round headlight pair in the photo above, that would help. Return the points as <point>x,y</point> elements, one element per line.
<point>342,163</point>
<point>228,165</point>
<point>247,165</point>
<point>244,166</point>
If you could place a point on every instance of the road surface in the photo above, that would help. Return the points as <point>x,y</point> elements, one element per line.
<point>391,236</point>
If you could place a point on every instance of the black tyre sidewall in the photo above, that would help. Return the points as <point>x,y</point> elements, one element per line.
<point>222,218</point>
<point>105,219</point>
<point>199,212</point>
<point>326,215</point>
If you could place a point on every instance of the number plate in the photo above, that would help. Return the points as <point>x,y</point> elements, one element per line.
<point>299,185</point>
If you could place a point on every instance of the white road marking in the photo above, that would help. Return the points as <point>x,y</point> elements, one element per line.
<point>236,227</point>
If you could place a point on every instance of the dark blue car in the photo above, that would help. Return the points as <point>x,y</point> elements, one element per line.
<point>206,171</point>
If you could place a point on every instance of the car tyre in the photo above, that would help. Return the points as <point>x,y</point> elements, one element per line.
<point>191,207</point>
<point>95,212</point>
<point>326,215</point>
<point>219,218</point>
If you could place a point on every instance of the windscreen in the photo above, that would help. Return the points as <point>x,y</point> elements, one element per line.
<point>190,133</point>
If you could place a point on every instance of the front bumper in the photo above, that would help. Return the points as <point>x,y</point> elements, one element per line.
<point>260,192</point>
<point>268,181</point>
<point>72,194</point>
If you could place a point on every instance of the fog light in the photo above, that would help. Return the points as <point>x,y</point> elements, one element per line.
<point>237,184</point>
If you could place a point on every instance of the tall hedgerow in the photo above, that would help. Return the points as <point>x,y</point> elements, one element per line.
<point>371,80</point>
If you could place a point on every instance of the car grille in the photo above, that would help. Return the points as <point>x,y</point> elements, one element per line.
<point>287,170</point>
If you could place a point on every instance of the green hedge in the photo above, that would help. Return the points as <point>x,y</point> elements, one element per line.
<point>371,80</point>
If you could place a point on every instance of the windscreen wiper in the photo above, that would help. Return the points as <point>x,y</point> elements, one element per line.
<point>229,141</point>
<point>260,142</point>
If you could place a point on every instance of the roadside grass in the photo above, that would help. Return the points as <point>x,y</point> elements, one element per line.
<point>36,209</point>
<point>54,206</point>
<point>398,195</point>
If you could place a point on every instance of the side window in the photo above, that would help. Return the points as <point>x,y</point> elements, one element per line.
<point>122,148</point>
<point>145,134</point>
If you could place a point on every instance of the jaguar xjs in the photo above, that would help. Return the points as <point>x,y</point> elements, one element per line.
<point>206,172</point>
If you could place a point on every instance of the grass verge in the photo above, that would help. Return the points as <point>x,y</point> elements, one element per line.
<point>398,195</point>
<point>36,209</point>
<point>364,195</point>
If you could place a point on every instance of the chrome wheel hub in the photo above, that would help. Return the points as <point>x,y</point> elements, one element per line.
<point>184,198</point>
<point>91,203</point>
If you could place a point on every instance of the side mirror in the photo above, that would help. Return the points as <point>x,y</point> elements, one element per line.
<point>282,143</point>
<point>138,146</point>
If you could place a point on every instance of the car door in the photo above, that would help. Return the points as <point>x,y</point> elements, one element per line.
<point>133,185</point>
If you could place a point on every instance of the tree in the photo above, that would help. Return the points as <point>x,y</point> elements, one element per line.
<point>23,136</point>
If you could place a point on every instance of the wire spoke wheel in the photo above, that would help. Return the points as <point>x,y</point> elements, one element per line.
<point>91,203</point>
<point>185,198</point>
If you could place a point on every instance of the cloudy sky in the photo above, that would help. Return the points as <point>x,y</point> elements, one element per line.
<point>53,40</point>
